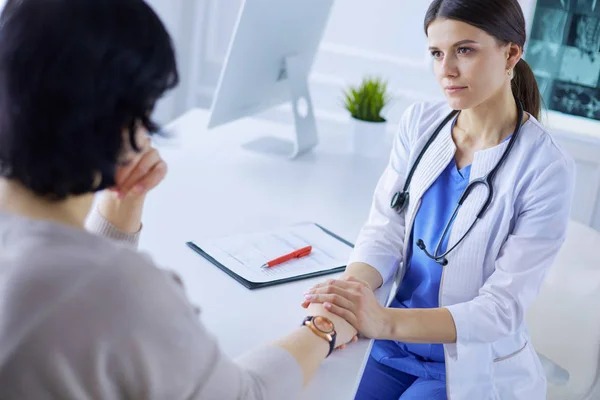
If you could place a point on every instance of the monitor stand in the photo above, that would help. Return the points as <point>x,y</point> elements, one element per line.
<point>306,136</point>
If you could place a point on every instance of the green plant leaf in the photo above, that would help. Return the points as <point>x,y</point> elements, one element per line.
<point>367,100</point>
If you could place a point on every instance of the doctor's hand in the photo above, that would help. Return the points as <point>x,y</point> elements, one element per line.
<point>354,301</point>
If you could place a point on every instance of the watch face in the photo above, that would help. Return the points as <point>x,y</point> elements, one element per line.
<point>323,324</point>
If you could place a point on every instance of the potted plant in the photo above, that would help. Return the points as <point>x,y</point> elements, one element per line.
<point>365,104</point>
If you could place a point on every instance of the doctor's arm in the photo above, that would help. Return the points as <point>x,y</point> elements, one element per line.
<point>378,250</point>
<point>365,273</point>
<point>524,259</point>
<point>353,300</point>
<point>500,307</point>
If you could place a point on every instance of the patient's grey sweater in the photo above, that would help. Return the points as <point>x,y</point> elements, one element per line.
<point>84,315</point>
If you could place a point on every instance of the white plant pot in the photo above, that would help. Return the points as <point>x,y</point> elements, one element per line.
<point>369,138</point>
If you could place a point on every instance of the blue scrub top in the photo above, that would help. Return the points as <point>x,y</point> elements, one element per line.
<point>420,287</point>
<point>421,284</point>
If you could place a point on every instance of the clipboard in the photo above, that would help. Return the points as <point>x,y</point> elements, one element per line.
<point>258,285</point>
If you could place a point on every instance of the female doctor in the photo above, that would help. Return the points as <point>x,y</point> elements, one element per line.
<point>468,216</point>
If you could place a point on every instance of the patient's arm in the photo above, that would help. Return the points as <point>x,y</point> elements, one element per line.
<point>117,219</point>
<point>119,213</point>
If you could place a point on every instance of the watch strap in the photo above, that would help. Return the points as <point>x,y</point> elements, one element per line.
<point>311,325</point>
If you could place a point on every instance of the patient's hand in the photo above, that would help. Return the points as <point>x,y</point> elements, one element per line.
<point>122,205</point>
<point>143,172</point>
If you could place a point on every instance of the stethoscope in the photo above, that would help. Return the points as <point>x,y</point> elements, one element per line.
<point>400,199</point>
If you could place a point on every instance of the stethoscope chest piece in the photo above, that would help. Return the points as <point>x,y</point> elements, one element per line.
<point>400,201</point>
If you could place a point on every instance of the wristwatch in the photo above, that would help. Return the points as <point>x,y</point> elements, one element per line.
<point>322,327</point>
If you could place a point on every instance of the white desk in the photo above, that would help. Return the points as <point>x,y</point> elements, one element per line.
<point>215,187</point>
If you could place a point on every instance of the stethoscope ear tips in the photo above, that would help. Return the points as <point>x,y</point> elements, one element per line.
<point>443,262</point>
<point>420,244</point>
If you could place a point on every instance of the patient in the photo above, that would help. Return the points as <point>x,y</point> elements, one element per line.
<point>84,316</point>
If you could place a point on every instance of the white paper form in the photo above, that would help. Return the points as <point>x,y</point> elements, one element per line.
<point>245,254</point>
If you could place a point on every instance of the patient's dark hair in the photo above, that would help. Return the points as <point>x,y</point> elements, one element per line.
<point>74,74</point>
<point>504,20</point>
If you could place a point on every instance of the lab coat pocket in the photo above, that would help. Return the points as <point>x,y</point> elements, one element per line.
<point>516,375</point>
<point>511,355</point>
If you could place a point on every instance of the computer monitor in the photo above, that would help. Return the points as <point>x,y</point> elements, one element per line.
<point>267,64</point>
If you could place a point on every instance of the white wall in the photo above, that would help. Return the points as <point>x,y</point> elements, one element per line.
<point>179,16</point>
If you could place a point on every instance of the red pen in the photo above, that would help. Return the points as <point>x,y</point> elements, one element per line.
<point>303,252</point>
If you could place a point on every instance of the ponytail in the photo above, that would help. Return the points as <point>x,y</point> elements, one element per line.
<point>525,88</point>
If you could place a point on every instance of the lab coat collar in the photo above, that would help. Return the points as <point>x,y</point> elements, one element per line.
<point>437,157</point>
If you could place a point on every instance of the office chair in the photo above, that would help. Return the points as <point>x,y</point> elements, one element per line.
<point>564,320</point>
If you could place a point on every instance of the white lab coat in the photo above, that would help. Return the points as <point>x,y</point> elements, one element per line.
<point>496,272</point>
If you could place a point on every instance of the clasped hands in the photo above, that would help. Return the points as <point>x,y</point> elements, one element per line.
<point>354,308</point>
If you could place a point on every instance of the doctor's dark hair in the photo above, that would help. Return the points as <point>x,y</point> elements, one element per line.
<point>74,76</point>
<point>504,20</point>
